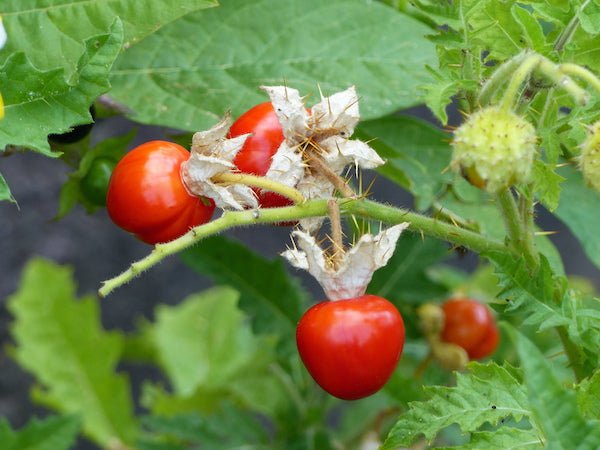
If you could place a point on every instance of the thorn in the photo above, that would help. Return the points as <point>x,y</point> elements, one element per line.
<point>545,233</point>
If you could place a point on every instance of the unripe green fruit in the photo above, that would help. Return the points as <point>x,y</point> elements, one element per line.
<point>494,148</point>
<point>590,157</point>
<point>94,184</point>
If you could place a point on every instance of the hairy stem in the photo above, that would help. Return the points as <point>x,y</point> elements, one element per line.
<point>336,237</point>
<point>260,182</point>
<point>522,67</point>
<point>319,165</point>
<point>520,75</point>
<point>527,208</point>
<point>314,208</point>
<point>500,76</point>
<point>519,241</point>
<point>567,34</point>
<point>571,352</point>
<point>563,81</point>
<point>581,73</point>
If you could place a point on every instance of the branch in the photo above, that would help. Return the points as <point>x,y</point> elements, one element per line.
<point>315,208</point>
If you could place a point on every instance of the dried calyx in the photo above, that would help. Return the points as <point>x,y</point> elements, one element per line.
<point>350,275</point>
<point>317,148</point>
<point>212,155</point>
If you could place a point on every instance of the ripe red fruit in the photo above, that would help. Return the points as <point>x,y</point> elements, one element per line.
<point>147,197</point>
<point>470,325</point>
<point>351,347</point>
<point>258,150</point>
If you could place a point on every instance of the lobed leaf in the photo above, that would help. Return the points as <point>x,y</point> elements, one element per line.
<point>488,393</point>
<point>61,342</point>
<point>52,433</point>
<point>506,438</point>
<point>208,351</point>
<point>532,296</point>
<point>554,406</point>
<point>39,103</point>
<point>588,397</point>
<point>209,62</point>
<point>227,428</point>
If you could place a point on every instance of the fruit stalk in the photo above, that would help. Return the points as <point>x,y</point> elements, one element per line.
<point>260,182</point>
<point>581,73</point>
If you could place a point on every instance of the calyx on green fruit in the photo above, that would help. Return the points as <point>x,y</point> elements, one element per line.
<point>590,157</point>
<point>494,148</point>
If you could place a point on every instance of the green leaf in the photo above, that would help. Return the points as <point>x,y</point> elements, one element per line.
<point>588,397</point>
<point>579,209</point>
<point>403,279</point>
<point>208,351</point>
<point>531,29</point>
<point>271,297</point>
<point>226,429</point>
<point>507,438</point>
<point>553,405</point>
<point>67,24</point>
<point>417,155</point>
<point>487,394</point>
<point>493,27</point>
<point>52,433</point>
<point>589,18</point>
<point>61,342</point>
<point>439,95</point>
<point>533,296</point>
<point>546,184</point>
<point>39,103</point>
<point>209,62</point>
<point>5,193</point>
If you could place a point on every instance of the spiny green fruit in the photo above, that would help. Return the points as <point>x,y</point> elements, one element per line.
<point>590,156</point>
<point>494,149</point>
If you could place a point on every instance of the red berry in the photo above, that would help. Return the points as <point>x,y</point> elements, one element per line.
<point>351,347</point>
<point>256,155</point>
<point>147,197</point>
<point>470,325</point>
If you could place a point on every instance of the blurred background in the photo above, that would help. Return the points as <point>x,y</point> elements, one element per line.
<point>97,250</point>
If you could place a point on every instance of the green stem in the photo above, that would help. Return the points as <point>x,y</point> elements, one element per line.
<point>519,242</point>
<point>547,105</point>
<point>527,206</point>
<point>500,76</point>
<point>572,354</point>
<point>315,208</point>
<point>559,78</point>
<point>581,73</point>
<point>527,65</point>
<point>290,387</point>
<point>420,223</point>
<point>569,30</point>
<point>260,182</point>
